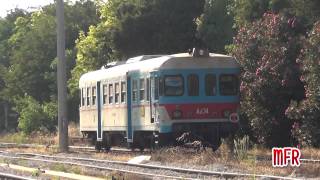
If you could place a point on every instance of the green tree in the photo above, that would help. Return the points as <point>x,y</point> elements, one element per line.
<point>136,27</point>
<point>215,26</point>
<point>31,64</point>
<point>245,11</point>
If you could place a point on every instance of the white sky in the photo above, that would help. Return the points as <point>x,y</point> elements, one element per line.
<point>6,5</point>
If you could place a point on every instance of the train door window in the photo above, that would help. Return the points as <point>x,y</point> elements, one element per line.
<point>110,93</point>
<point>193,85</point>
<point>156,88</point>
<point>123,92</point>
<point>105,95</point>
<point>88,96</point>
<point>94,95</point>
<point>173,85</point>
<point>134,90</point>
<point>142,90</point>
<point>148,89</point>
<point>117,92</point>
<point>83,95</point>
<point>228,84</point>
<point>210,85</point>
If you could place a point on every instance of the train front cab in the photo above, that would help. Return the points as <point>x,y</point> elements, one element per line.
<point>204,102</point>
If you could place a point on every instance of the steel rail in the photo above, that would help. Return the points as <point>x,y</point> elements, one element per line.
<point>13,177</point>
<point>97,167</point>
<point>176,169</point>
<point>90,148</point>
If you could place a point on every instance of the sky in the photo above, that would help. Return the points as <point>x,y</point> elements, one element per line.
<point>7,5</point>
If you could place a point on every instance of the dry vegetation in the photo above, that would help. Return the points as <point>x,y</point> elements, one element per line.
<point>244,159</point>
<point>232,162</point>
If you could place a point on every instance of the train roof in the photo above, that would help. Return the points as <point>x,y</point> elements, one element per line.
<point>175,61</point>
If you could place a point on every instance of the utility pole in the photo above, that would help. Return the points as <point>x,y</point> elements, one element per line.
<point>5,104</point>
<point>62,80</point>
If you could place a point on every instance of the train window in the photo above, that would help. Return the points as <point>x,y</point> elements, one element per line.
<point>83,95</point>
<point>173,85</point>
<point>210,84</point>
<point>123,92</point>
<point>94,97</point>
<point>134,90</point>
<point>193,85</point>
<point>228,84</point>
<point>148,89</point>
<point>157,83</point>
<point>105,96</point>
<point>142,89</point>
<point>88,96</point>
<point>110,93</point>
<point>117,92</point>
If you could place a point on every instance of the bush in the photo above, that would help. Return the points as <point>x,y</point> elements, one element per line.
<point>33,116</point>
<point>267,50</point>
<point>306,114</point>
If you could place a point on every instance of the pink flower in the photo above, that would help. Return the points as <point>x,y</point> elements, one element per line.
<point>258,72</point>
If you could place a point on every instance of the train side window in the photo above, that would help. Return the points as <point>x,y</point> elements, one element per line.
<point>193,85</point>
<point>142,89</point>
<point>105,95</point>
<point>83,95</point>
<point>88,96</point>
<point>134,90</point>
<point>110,93</point>
<point>173,85</point>
<point>117,92</point>
<point>123,92</point>
<point>148,89</point>
<point>228,84</point>
<point>94,97</point>
<point>210,85</point>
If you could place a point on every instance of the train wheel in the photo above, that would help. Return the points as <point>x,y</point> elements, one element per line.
<point>106,143</point>
<point>98,146</point>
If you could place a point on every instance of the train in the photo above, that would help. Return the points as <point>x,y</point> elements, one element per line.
<point>151,100</point>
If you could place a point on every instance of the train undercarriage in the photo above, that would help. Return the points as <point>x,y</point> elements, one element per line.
<point>193,135</point>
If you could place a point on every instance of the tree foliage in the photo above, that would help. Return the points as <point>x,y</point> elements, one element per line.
<point>306,114</point>
<point>215,26</point>
<point>136,27</point>
<point>266,50</point>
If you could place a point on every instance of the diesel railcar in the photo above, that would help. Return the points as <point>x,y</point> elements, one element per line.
<point>151,100</point>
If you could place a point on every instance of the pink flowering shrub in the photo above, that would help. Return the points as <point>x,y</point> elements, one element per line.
<point>267,50</point>
<point>306,114</point>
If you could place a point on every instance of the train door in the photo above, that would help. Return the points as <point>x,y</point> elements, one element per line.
<point>100,123</point>
<point>129,111</point>
<point>154,89</point>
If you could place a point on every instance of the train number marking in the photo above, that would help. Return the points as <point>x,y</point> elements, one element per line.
<point>202,111</point>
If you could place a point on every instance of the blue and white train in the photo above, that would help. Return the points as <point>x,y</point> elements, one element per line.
<point>154,99</point>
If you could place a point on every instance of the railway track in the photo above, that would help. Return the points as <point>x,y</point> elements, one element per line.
<point>124,150</point>
<point>165,172</point>
<point>7,176</point>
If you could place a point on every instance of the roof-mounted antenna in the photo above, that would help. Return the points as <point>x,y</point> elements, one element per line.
<point>200,52</point>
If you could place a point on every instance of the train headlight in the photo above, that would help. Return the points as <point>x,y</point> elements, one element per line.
<point>177,114</point>
<point>226,113</point>
<point>234,117</point>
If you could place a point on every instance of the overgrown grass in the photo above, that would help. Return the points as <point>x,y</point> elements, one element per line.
<point>39,137</point>
<point>242,158</point>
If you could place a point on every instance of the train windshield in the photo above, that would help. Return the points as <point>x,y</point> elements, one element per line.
<point>173,85</point>
<point>228,85</point>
